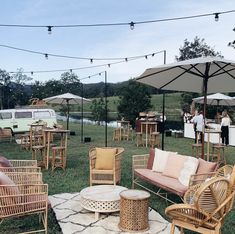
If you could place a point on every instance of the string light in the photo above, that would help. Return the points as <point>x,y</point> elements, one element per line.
<point>88,67</point>
<point>130,24</point>
<point>46,56</point>
<point>72,57</point>
<point>49,29</point>
<point>31,73</point>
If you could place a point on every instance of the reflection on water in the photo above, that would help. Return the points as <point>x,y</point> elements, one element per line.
<point>86,121</point>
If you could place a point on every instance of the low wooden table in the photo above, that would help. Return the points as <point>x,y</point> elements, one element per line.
<point>101,198</point>
<point>134,210</point>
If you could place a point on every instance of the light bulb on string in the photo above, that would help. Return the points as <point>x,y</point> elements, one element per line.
<point>109,65</point>
<point>126,59</point>
<point>216,17</point>
<point>71,70</point>
<point>146,57</point>
<point>31,73</point>
<point>46,56</point>
<point>132,25</point>
<point>91,60</point>
<point>49,29</point>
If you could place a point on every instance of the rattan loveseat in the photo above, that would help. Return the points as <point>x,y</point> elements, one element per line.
<point>159,184</point>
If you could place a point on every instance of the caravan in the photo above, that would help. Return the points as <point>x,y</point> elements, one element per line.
<point>19,120</point>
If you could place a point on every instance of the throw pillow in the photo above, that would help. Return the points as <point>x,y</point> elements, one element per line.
<point>175,163</point>
<point>9,190</point>
<point>151,159</point>
<point>104,158</point>
<point>189,168</point>
<point>206,167</point>
<point>4,162</point>
<point>160,160</point>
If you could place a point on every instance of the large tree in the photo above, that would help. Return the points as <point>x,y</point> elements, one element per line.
<point>134,99</point>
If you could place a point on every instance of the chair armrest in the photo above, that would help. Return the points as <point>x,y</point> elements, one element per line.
<point>199,178</point>
<point>188,213</point>
<point>189,194</point>
<point>23,163</point>
<point>140,161</point>
<point>20,169</point>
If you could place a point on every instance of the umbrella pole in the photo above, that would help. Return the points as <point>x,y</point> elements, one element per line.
<point>163,119</point>
<point>163,108</point>
<point>82,115</point>
<point>205,83</point>
<point>67,114</point>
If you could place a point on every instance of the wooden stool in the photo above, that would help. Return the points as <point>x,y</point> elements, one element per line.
<point>116,134</point>
<point>25,141</point>
<point>38,153</point>
<point>58,157</point>
<point>218,153</point>
<point>139,139</point>
<point>154,139</point>
<point>134,210</point>
<point>197,150</point>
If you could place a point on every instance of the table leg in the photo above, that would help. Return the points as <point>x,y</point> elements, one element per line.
<point>48,149</point>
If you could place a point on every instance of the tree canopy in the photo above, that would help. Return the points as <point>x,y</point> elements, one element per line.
<point>134,99</point>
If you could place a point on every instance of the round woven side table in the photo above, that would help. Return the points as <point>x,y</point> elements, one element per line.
<point>134,210</point>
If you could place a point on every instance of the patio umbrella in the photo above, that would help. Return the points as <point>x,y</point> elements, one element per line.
<point>217,99</point>
<point>204,74</point>
<point>68,99</point>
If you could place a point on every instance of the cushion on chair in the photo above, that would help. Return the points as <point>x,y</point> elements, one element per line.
<point>151,159</point>
<point>4,162</point>
<point>206,167</point>
<point>10,191</point>
<point>174,165</point>
<point>189,168</point>
<point>160,160</point>
<point>104,158</point>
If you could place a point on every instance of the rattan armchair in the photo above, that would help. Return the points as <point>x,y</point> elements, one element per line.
<point>211,202</point>
<point>24,195</point>
<point>110,176</point>
<point>227,171</point>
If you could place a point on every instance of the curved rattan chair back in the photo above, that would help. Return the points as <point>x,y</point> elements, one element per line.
<point>211,195</point>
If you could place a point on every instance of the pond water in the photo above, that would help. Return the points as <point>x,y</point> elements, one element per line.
<point>86,121</point>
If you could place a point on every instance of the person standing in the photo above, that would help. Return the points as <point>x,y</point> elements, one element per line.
<point>225,123</point>
<point>199,121</point>
<point>194,121</point>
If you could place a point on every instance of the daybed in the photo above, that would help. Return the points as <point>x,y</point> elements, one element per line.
<point>169,172</point>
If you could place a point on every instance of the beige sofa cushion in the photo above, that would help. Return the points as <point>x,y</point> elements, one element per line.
<point>189,168</point>
<point>160,160</point>
<point>174,165</point>
<point>206,167</point>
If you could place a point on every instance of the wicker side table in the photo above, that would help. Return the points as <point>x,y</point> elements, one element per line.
<point>134,210</point>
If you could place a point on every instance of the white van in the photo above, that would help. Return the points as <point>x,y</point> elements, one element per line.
<point>19,120</point>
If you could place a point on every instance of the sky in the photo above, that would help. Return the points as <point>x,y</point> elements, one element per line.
<point>106,42</point>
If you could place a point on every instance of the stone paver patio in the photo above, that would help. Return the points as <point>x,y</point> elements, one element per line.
<point>73,219</point>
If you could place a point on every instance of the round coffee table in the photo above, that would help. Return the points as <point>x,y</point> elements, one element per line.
<point>101,198</point>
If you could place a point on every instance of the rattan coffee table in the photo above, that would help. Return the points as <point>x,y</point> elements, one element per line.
<point>134,210</point>
<point>101,198</point>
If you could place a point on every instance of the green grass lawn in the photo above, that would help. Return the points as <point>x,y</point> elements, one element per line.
<point>76,176</point>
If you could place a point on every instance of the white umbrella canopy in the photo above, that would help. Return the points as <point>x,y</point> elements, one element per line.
<point>66,98</point>
<point>210,74</point>
<point>216,99</point>
<point>204,74</point>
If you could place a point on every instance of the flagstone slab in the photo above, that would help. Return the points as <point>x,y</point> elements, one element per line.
<point>73,219</point>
